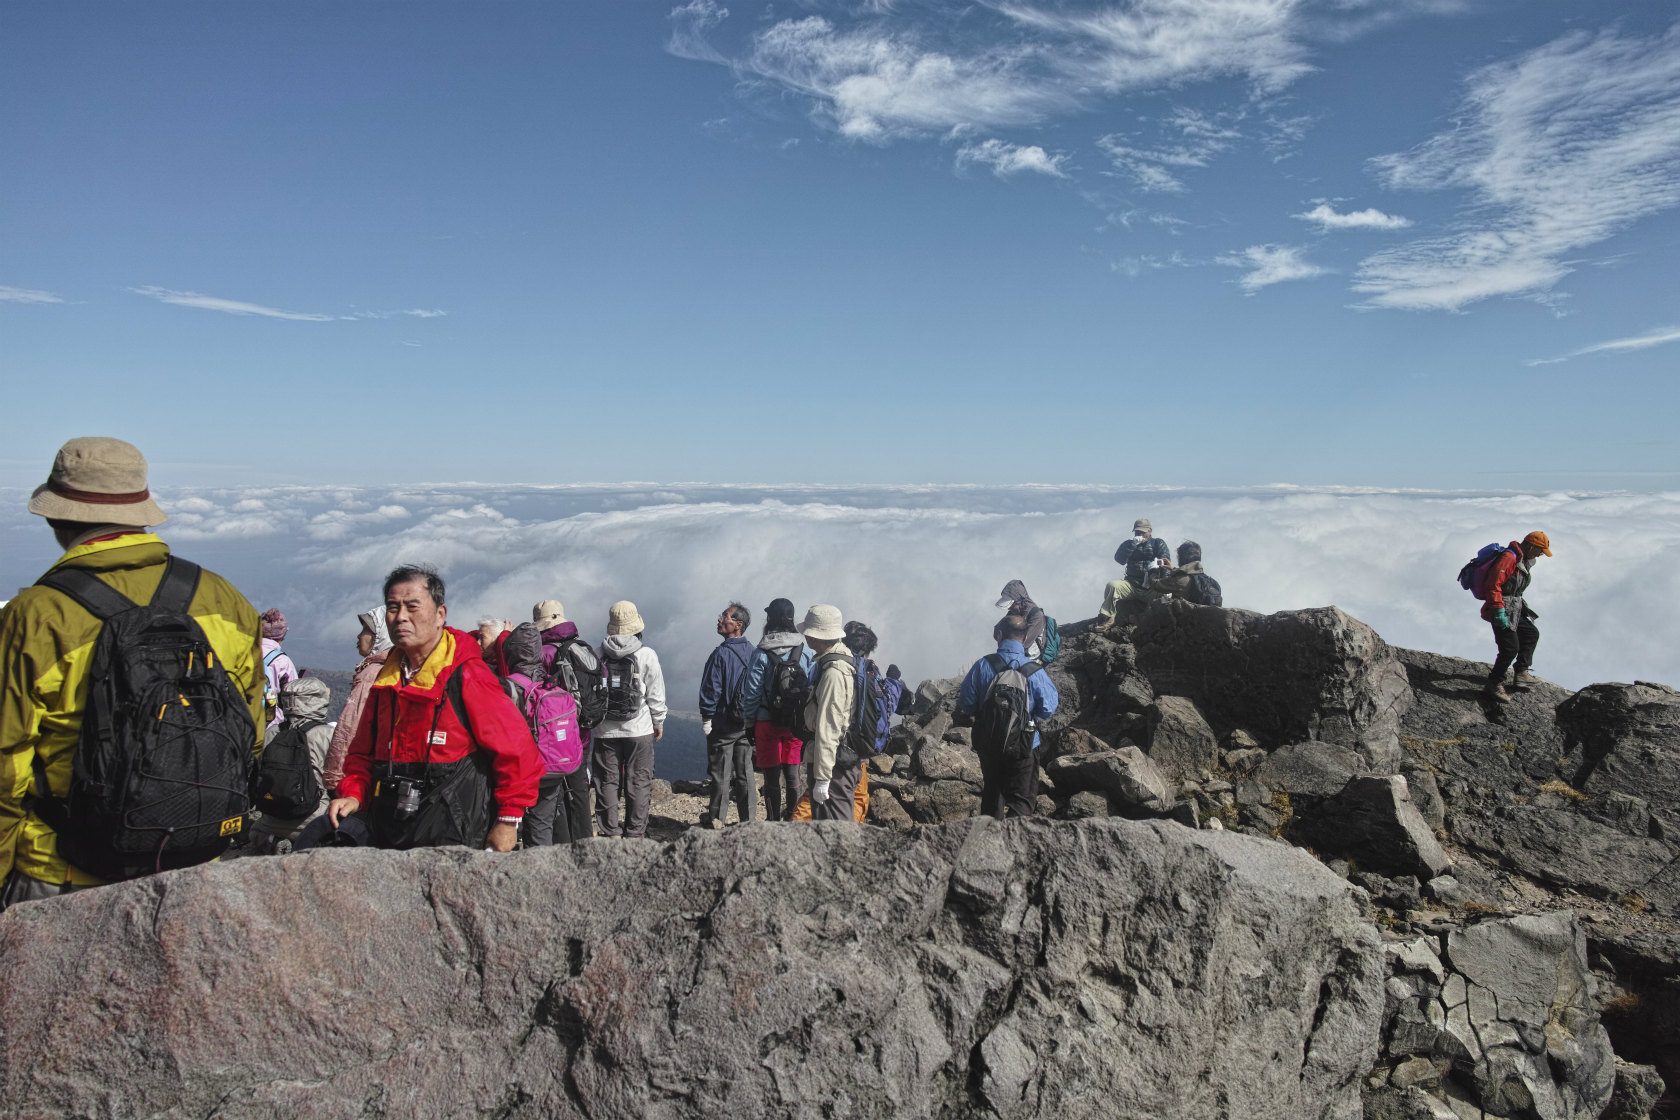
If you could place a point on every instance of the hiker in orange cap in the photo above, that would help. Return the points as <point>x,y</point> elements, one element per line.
<point>1512,619</point>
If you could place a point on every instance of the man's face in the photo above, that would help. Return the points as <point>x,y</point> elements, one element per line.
<point>1532,552</point>
<point>727,626</point>
<point>414,621</point>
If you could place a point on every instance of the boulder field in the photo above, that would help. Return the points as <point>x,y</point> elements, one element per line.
<point>1283,870</point>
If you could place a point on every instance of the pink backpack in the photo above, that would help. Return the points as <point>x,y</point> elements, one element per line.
<point>552,714</point>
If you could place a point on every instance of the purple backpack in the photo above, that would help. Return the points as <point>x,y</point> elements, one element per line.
<point>552,714</point>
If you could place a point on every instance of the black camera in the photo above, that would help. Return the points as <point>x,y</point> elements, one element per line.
<point>409,793</point>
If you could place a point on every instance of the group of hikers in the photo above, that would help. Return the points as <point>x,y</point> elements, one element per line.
<point>150,718</point>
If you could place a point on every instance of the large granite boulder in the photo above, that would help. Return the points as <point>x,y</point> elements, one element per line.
<point>1129,779</point>
<point>1372,820</point>
<point>1286,677</point>
<point>1100,968</point>
<point>1180,741</point>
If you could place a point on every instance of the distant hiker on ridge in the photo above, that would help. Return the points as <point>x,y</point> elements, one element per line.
<point>1503,584</point>
<point>1007,695</point>
<point>195,636</point>
<point>723,718</point>
<point>1189,581</point>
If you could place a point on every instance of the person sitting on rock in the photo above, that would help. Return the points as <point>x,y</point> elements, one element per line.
<point>1514,632</point>
<point>439,742</point>
<point>1189,581</point>
<point>1015,597</point>
<point>1008,782</point>
<point>1141,555</point>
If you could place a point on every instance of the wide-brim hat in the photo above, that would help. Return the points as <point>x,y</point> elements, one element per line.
<point>98,481</point>
<point>624,618</point>
<point>548,613</point>
<point>823,623</point>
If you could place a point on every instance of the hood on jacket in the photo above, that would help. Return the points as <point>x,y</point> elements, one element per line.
<point>521,650</point>
<point>1012,591</point>
<point>559,632</point>
<point>305,698</point>
<point>780,641</point>
<point>374,622</point>
<point>621,645</point>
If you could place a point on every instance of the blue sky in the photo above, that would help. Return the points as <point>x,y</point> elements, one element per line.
<point>1196,242</point>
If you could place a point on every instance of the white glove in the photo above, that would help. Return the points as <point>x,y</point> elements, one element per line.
<point>819,793</point>
<point>706,726</point>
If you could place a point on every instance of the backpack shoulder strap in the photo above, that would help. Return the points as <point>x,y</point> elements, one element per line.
<point>179,584</point>
<point>996,661</point>
<point>452,693</point>
<point>1028,668</point>
<point>93,594</point>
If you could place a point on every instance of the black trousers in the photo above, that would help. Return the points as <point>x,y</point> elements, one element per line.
<point>789,776</point>
<point>1008,784</point>
<point>561,814</point>
<point>729,763</point>
<point>1516,644</point>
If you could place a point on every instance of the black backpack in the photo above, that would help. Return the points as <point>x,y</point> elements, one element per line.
<point>623,688</point>
<point>161,776</point>
<point>285,783</point>
<point>577,671</point>
<point>1003,724</point>
<point>789,689</point>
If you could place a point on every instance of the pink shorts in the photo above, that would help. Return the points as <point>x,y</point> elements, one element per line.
<point>774,746</point>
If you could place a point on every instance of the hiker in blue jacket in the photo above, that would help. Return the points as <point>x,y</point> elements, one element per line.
<point>729,744</point>
<point>1008,783</point>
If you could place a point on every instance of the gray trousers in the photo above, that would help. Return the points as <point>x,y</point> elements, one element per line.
<point>627,762</point>
<point>24,888</point>
<point>842,791</point>
<point>729,763</point>
<point>561,814</point>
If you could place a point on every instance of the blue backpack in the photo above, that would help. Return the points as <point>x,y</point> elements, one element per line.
<point>1472,576</point>
<point>867,736</point>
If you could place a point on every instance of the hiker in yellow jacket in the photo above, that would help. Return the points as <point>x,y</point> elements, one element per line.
<point>98,505</point>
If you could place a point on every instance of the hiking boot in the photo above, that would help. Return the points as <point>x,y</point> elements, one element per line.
<point>1495,692</point>
<point>1524,680</point>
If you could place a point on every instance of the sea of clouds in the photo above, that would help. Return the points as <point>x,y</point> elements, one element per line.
<point>922,565</point>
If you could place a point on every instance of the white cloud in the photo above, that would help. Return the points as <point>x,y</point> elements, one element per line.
<point>1559,148</point>
<point>1006,159</point>
<point>9,294</point>
<point>1197,138</point>
<point>1658,337</point>
<point>1270,264</point>
<point>422,313</point>
<point>230,306</point>
<point>878,72</point>
<point>1326,218</point>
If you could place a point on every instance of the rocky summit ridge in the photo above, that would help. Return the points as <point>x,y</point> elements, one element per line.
<point>1284,870</point>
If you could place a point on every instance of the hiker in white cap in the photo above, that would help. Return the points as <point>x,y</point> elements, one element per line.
<point>98,505</point>
<point>635,721</point>
<point>829,714</point>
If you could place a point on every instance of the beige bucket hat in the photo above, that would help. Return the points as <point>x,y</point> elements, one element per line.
<point>624,618</point>
<point>823,623</point>
<point>100,481</point>
<point>548,613</point>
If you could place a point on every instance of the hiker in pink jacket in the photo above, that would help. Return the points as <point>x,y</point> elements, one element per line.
<point>372,643</point>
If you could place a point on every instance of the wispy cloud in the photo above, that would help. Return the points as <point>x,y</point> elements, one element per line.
<point>1138,265</point>
<point>1196,139</point>
<point>9,294</point>
<point>242,307</point>
<point>1560,148</point>
<point>1326,218</point>
<point>1006,159</point>
<point>1270,264</point>
<point>882,71</point>
<point>229,306</point>
<point>1658,337</point>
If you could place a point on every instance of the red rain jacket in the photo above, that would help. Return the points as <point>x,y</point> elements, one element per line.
<point>404,716</point>
<point>1493,580</point>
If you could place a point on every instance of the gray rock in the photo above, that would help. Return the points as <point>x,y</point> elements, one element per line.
<point>959,736</point>
<point>1252,793</point>
<point>1240,739</point>
<point>1126,775</point>
<point>1373,821</point>
<point>1310,769</point>
<point>885,809</point>
<point>939,761</point>
<point>1426,795</point>
<point>1286,677</point>
<point>1180,741</point>
<point>934,694</point>
<point>1420,1072</point>
<point>1242,761</point>
<point>1095,969</point>
<point>1075,740</point>
<point>1417,955</point>
<point>937,802</point>
<point>1638,1089</point>
<point>1530,1003</point>
<point>881,763</point>
<point>1389,1103</point>
<point>1086,804</point>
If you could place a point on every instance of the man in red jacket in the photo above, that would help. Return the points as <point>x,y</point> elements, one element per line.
<point>439,746</point>
<point>1514,631</point>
